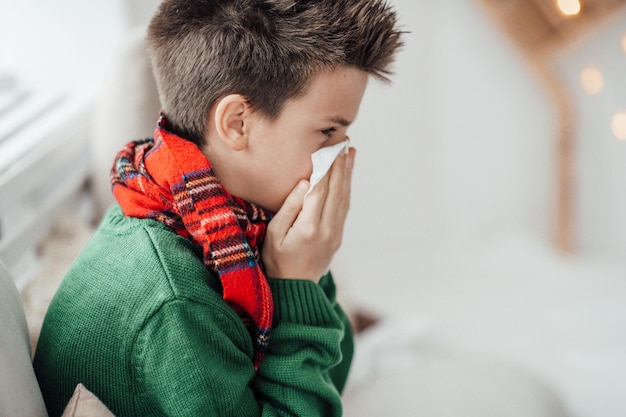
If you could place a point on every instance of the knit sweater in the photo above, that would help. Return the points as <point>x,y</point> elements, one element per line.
<point>140,321</point>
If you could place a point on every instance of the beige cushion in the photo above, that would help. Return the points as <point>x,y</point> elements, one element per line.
<point>85,404</point>
<point>19,391</point>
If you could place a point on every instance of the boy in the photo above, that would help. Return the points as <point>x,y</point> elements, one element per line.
<point>188,300</point>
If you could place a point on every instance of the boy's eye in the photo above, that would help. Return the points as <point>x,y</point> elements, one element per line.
<point>329,132</point>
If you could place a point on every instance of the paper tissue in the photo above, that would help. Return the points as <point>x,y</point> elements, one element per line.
<point>323,159</point>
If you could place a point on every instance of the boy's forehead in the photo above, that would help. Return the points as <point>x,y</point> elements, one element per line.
<point>332,97</point>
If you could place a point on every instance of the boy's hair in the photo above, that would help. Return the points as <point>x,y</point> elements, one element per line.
<point>266,50</point>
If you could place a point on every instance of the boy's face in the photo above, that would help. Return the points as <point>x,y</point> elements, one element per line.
<point>279,151</point>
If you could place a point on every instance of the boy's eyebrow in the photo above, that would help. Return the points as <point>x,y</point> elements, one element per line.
<point>338,120</point>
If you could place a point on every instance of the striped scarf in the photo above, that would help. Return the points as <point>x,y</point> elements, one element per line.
<point>170,180</point>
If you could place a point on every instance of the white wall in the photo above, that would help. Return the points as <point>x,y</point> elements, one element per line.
<point>452,215</point>
<point>600,157</point>
<point>64,41</point>
<point>460,149</point>
<point>55,54</point>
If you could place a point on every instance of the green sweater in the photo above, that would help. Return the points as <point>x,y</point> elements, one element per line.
<point>141,323</point>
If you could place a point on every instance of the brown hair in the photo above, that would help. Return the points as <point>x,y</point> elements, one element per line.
<point>266,50</point>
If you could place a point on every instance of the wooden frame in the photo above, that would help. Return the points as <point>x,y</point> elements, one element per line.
<point>539,29</point>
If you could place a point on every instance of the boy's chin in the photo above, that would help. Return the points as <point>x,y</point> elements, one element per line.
<point>267,203</point>
<point>266,206</point>
<point>271,209</point>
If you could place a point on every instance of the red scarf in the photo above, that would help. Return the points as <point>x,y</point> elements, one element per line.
<point>169,179</point>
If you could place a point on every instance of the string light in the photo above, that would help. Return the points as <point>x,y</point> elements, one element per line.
<point>592,80</point>
<point>569,7</point>
<point>618,124</point>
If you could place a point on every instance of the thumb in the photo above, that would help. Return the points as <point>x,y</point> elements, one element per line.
<point>286,216</point>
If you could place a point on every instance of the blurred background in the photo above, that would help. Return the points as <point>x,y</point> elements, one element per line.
<point>488,198</point>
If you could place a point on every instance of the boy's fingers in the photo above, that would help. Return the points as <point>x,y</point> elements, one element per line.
<point>338,200</point>
<point>315,201</point>
<point>286,216</point>
<point>348,173</point>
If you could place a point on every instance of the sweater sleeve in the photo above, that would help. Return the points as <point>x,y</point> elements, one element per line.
<point>190,359</point>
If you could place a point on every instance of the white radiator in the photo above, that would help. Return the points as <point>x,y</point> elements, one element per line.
<point>43,166</point>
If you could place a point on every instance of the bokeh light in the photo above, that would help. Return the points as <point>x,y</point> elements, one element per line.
<point>569,7</point>
<point>592,80</point>
<point>618,124</point>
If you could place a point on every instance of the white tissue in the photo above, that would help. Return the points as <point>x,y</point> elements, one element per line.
<point>323,159</point>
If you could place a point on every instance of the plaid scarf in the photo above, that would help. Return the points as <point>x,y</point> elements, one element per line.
<point>170,180</point>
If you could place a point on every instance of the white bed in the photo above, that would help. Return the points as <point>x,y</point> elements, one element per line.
<point>519,302</point>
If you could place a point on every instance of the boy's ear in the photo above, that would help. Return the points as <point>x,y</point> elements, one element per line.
<point>230,116</point>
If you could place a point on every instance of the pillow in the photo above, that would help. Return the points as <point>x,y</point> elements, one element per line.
<point>85,404</point>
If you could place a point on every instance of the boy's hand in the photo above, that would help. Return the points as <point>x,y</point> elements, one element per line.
<point>304,235</point>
